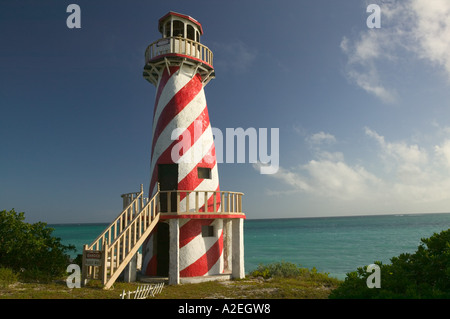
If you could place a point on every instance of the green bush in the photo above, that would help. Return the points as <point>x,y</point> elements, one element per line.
<point>279,269</point>
<point>7,277</point>
<point>289,270</point>
<point>423,274</point>
<point>30,249</point>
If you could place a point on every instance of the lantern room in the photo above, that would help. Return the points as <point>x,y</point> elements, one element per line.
<point>179,25</point>
<point>180,44</point>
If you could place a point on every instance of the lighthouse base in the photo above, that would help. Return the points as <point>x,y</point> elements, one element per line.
<point>186,280</point>
<point>222,259</point>
<point>199,279</point>
<point>233,253</point>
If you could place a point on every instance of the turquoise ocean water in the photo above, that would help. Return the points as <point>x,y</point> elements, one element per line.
<point>336,245</point>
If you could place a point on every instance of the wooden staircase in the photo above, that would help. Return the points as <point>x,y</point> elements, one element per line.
<point>114,248</point>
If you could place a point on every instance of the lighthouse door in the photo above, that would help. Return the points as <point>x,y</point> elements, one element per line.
<point>162,250</point>
<point>168,181</point>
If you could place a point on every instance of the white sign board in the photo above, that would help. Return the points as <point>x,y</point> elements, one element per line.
<point>93,258</point>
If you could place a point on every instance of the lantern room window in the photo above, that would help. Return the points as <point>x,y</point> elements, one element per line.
<point>190,32</point>
<point>175,26</point>
<point>178,28</point>
<point>168,29</point>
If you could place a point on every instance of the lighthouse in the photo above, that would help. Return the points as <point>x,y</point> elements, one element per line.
<point>200,229</point>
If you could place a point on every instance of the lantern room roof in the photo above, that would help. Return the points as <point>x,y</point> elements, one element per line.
<point>183,16</point>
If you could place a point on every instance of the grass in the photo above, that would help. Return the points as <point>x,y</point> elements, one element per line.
<point>304,285</point>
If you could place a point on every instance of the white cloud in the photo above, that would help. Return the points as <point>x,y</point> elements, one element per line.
<point>371,83</point>
<point>330,178</point>
<point>299,129</point>
<point>420,27</point>
<point>327,175</point>
<point>443,152</point>
<point>362,68</point>
<point>330,156</point>
<point>321,137</point>
<point>336,179</point>
<point>407,176</point>
<point>418,174</point>
<point>400,152</point>
<point>432,30</point>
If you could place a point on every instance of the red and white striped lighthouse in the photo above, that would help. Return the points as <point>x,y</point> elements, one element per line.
<point>189,240</point>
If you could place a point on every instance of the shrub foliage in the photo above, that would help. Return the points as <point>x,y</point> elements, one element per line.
<point>423,274</point>
<point>7,277</point>
<point>30,249</point>
<point>286,269</point>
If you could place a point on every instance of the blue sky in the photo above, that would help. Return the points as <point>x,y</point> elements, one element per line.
<point>363,113</point>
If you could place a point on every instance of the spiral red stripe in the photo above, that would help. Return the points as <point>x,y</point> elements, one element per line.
<point>189,181</point>
<point>180,104</point>
<point>161,85</point>
<point>180,100</point>
<point>189,232</point>
<point>204,263</point>
<point>166,156</point>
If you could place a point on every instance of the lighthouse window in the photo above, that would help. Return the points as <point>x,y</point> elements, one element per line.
<point>167,29</point>
<point>178,29</point>
<point>190,33</point>
<point>204,172</point>
<point>207,231</point>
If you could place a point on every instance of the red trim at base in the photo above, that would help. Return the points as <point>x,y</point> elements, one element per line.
<point>202,216</point>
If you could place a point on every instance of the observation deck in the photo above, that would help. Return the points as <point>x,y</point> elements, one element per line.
<point>180,45</point>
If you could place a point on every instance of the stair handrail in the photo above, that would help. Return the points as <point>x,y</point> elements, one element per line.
<point>152,201</point>
<point>119,252</point>
<point>101,238</point>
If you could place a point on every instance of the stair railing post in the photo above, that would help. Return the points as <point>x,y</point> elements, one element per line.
<point>158,198</point>
<point>142,197</point>
<point>105,248</point>
<point>84,268</point>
